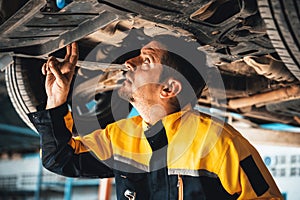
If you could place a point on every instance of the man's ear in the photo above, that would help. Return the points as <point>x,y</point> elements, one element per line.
<point>170,88</point>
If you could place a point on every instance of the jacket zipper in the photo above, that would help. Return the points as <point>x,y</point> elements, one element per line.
<point>180,187</point>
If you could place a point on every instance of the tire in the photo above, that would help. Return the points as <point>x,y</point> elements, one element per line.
<point>282,19</point>
<point>24,83</point>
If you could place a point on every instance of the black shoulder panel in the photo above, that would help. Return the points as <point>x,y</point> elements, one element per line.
<point>257,181</point>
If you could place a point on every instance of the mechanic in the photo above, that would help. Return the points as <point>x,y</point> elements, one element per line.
<point>169,151</point>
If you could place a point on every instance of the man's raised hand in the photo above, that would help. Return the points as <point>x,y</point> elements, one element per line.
<point>59,76</point>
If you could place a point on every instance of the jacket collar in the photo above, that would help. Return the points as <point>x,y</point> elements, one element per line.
<point>171,117</point>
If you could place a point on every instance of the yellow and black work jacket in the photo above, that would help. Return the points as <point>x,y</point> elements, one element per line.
<point>186,155</point>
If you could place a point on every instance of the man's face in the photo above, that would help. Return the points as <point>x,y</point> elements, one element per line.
<point>142,79</point>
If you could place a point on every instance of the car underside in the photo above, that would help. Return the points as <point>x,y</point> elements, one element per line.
<point>253,45</point>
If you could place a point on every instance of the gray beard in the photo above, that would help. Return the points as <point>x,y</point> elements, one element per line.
<point>126,95</point>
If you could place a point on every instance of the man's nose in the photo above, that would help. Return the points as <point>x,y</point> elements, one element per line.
<point>130,66</point>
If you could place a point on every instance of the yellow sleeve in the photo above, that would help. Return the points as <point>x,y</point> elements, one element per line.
<point>69,121</point>
<point>97,142</point>
<point>243,172</point>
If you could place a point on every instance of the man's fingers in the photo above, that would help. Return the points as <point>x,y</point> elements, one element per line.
<point>74,53</point>
<point>68,53</point>
<point>63,71</point>
<point>44,70</point>
<point>55,70</point>
<point>52,60</point>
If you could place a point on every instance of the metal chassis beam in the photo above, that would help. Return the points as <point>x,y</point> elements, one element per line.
<point>270,137</point>
<point>41,47</point>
